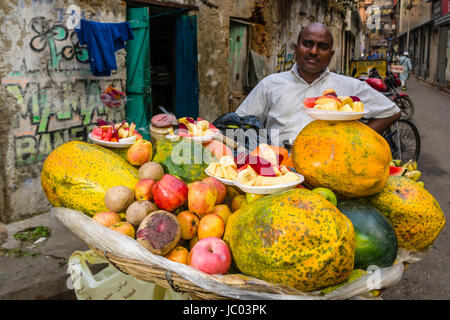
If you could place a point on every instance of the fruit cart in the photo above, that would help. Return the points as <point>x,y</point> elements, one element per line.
<point>185,214</point>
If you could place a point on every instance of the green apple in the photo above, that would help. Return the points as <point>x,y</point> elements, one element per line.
<point>327,194</point>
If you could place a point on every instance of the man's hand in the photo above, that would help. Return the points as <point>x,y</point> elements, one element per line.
<point>380,125</point>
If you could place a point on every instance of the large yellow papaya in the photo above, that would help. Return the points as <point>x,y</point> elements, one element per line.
<point>414,213</point>
<point>294,237</point>
<point>76,175</point>
<point>346,156</point>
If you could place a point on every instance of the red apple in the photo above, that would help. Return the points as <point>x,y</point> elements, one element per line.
<point>170,193</point>
<point>220,187</point>
<point>143,189</point>
<point>107,218</point>
<point>178,254</point>
<point>202,197</point>
<point>210,255</point>
<point>124,227</point>
<point>140,152</point>
<point>211,225</point>
<point>188,223</point>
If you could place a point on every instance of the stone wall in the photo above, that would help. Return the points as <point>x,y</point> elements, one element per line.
<point>48,95</point>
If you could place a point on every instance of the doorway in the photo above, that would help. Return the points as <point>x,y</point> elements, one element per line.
<point>161,63</point>
<point>162,59</point>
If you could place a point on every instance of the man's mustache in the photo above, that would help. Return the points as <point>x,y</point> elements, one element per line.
<point>312,57</point>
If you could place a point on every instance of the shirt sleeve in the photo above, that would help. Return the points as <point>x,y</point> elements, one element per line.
<point>256,103</point>
<point>378,105</point>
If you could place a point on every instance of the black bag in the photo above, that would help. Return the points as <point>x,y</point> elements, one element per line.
<point>246,128</point>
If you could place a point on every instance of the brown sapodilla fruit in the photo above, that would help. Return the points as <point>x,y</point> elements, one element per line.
<point>138,210</point>
<point>118,198</point>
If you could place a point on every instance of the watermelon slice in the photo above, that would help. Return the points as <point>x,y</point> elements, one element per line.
<point>108,134</point>
<point>310,102</point>
<point>97,133</point>
<point>396,171</point>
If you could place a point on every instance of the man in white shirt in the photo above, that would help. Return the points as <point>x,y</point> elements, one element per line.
<point>278,98</point>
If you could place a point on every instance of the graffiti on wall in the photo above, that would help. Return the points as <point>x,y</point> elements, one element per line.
<point>285,60</point>
<point>48,34</point>
<point>56,98</point>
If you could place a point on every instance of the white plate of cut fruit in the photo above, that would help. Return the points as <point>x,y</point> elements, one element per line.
<point>255,175</point>
<point>251,182</point>
<point>197,130</point>
<point>329,106</point>
<point>122,143</point>
<point>120,135</point>
<point>225,170</point>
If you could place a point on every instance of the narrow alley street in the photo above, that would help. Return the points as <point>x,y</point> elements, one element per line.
<point>429,278</point>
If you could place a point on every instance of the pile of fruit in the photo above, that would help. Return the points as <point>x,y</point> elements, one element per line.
<point>331,102</point>
<point>115,132</point>
<point>188,127</point>
<point>357,206</point>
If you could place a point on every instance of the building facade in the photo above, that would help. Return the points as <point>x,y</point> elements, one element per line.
<point>424,32</point>
<point>196,57</point>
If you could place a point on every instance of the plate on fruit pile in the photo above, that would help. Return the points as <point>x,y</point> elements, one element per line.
<point>320,114</point>
<point>225,170</point>
<point>120,135</point>
<point>330,106</point>
<point>198,130</point>
<point>270,189</point>
<point>262,176</point>
<point>224,181</point>
<point>123,143</point>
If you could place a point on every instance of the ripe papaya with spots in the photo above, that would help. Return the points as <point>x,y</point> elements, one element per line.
<point>295,237</point>
<point>414,213</point>
<point>347,157</point>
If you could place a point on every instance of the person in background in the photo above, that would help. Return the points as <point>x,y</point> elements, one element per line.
<point>375,55</point>
<point>278,99</point>
<point>405,62</point>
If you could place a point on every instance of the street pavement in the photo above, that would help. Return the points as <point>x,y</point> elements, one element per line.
<point>430,278</point>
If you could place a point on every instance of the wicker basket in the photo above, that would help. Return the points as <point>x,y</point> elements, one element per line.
<point>120,253</point>
<point>159,276</point>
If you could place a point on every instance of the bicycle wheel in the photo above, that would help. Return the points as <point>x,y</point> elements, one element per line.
<point>407,107</point>
<point>409,138</point>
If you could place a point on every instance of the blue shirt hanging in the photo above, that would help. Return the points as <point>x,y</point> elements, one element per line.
<point>103,40</point>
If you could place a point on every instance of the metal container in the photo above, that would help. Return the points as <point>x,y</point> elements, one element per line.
<point>288,144</point>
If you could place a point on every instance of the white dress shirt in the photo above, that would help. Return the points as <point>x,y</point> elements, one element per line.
<point>278,100</point>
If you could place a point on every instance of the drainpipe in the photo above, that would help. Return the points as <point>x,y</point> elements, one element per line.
<point>408,7</point>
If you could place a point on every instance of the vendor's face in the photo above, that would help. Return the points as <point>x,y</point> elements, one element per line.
<point>314,50</point>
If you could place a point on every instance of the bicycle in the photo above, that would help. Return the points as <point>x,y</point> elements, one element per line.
<point>404,140</point>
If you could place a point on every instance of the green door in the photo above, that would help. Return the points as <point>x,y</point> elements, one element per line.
<point>139,95</point>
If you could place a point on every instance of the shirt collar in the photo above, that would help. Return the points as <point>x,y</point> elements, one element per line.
<point>294,71</point>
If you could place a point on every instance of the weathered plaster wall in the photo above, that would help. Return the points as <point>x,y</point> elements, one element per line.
<point>213,49</point>
<point>47,94</point>
<point>289,17</point>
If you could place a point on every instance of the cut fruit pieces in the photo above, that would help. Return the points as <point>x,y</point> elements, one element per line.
<point>358,106</point>
<point>346,108</point>
<point>396,171</point>
<point>247,177</point>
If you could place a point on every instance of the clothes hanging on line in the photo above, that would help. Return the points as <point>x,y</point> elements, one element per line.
<point>103,40</point>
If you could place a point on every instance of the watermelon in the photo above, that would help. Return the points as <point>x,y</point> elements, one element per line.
<point>376,242</point>
<point>184,159</point>
<point>396,171</point>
